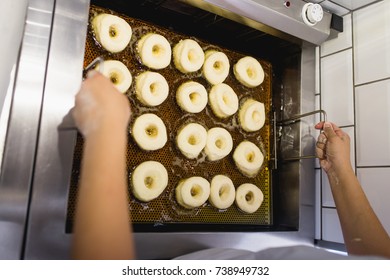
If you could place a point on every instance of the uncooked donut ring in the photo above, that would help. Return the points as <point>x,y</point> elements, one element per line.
<point>223,100</point>
<point>155,51</point>
<point>188,56</point>
<point>219,143</point>
<point>249,72</point>
<point>112,32</point>
<point>151,88</point>
<point>191,97</point>
<point>149,180</point>
<point>249,198</point>
<point>216,67</point>
<point>252,115</point>
<point>191,139</point>
<point>222,192</point>
<point>248,158</point>
<point>192,192</point>
<point>149,132</point>
<point>118,73</point>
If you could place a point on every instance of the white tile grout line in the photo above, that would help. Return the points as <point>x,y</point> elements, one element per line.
<point>354,91</point>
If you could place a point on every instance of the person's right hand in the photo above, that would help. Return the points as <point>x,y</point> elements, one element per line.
<point>333,148</point>
<point>99,105</point>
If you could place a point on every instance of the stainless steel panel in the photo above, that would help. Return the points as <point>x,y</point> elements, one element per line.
<point>20,144</point>
<point>272,17</point>
<point>46,236</point>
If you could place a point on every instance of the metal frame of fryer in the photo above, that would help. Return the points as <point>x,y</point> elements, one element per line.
<point>44,222</point>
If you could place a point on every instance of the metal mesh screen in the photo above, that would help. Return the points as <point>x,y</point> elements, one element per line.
<point>165,209</point>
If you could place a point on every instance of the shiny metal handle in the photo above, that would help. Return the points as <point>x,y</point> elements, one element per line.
<point>289,121</point>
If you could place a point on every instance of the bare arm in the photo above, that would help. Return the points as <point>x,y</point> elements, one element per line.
<point>102,228</point>
<point>363,233</point>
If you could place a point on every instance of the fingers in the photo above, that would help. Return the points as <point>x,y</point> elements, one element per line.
<point>320,146</point>
<point>321,124</point>
<point>321,141</point>
<point>330,129</point>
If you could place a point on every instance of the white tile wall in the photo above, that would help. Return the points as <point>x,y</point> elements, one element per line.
<point>353,4</point>
<point>373,124</point>
<point>375,182</point>
<point>331,229</point>
<point>337,87</point>
<point>340,6</point>
<point>355,91</point>
<point>342,41</point>
<point>372,42</point>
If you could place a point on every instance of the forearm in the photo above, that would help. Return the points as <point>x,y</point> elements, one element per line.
<point>362,231</point>
<point>102,227</point>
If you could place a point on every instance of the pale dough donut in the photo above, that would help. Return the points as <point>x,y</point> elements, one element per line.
<point>216,67</point>
<point>151,88</point>
<point>155,51</point>
<point>188,56</point>
<point>249,72</point>
<point>149,132</point>
<point>222,192</point>
<point>252,115</point>
<point>223,100</point>
<point>191,139</point>
<point>219,143</point>
<point>112,32</point>
<point>191,97</point>
<point>248,158</point>
<point>149,180</point>
<point>192,192</point>
<point>249,198</point>
<point>118,73</point>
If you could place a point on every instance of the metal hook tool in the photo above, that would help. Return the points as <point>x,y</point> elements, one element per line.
<point>97,64</point>
<point>290,121</point>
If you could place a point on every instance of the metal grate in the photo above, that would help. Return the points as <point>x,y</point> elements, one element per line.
<point>164,209</point>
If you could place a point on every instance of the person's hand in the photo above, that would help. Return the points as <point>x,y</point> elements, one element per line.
<point>333,148</point>
<point>99,105</point>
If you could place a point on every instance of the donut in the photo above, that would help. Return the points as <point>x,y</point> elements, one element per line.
<point>222,192</point>
<point>118,73</point>
<point>223,100</point>
<point>216,67</point>
<point>191,139</point>
<point>155,51</point>
<point>248,71</point>
<point>192,192</point>
<point>219,143</point>
<point>149,180</point>
<point>149,132</point>
<point>191,97</point>
<point>151,88</point>
<point>112,32</point>
<point>249,198</point>
<point>252,115</point>
<point>248,158</point>
<point>188,56</point>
